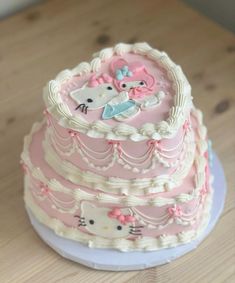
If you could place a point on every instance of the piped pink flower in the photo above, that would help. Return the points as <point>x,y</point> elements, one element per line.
<point>123,219</point>
<point>154,142</point>
<point>44,189</point>
<point>72,133</point>
<point>24,167</point>
<point>47,115</point>
<point>186,125</point>
<point>175,211</point>
<point>113,142</point>
<point>204,191</point>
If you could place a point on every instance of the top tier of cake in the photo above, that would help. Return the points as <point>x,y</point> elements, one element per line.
<point>128,92</point>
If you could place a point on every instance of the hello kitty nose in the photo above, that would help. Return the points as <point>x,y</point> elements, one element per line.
<point>105,227</point>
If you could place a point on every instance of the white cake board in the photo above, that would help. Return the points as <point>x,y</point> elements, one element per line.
<point>107,259</point>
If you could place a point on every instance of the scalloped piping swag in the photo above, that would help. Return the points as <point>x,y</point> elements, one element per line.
<point>139,244</point>
<point>142,243</point>
<point>80,194</point>
<point>163,129</point>
<point>67,146</point>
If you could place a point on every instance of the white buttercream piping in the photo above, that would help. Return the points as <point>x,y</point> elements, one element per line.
<point>143,243</point>
<point>114,154</point>
<point>113,184</point>
<point>71,205</point>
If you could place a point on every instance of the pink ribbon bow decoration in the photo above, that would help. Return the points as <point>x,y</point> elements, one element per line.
<point>44,189</point>
<point>123,219</point>
<point>94,81</point>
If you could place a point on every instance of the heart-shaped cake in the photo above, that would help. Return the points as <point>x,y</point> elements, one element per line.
<point>121,158</point>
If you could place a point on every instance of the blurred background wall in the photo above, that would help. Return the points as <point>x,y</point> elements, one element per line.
<point>221,11</point>
<point>9,7</point>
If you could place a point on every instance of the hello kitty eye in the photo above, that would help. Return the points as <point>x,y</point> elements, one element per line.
<point>119,227</point>
<point>141,83</point>
<point>89,100</point>
<point>109,88</point>
<point>91,221</point>
<point>123,85</point>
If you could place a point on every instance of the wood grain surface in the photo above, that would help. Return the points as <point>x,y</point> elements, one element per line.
<point>42,40</point>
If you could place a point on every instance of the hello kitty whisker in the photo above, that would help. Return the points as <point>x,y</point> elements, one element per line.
<point>132,230</point>
<point>81,224</point>
<point>84,109</point>
<point>82,105</point>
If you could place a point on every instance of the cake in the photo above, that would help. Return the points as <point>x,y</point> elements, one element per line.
<point>120,160</point>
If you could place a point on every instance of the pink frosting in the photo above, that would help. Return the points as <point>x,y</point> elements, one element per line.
<point>187,186</point>
<point>162,83</point>
<point>119,71</point>
<point>37,157</point>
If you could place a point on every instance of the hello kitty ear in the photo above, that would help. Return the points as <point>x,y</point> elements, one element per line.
<point>74,95</point>
<point>117,64</point>
<point>86,206</point>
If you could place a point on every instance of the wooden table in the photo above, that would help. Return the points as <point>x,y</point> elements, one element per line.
<point>39,42</point>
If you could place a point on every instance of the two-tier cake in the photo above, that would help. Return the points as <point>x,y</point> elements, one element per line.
<point>121,159</point>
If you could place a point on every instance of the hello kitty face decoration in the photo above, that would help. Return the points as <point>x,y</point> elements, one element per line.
<point>106,222</point>
<point>128,89</point>
<point>95,94</point>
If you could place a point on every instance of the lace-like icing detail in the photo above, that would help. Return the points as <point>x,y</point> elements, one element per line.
<point>154,155</point>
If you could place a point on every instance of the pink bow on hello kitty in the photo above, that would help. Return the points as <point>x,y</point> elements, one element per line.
<point>123,219</point>
<point>102,79</point>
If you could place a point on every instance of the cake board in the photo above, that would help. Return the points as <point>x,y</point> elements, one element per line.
<point>113,260</point>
